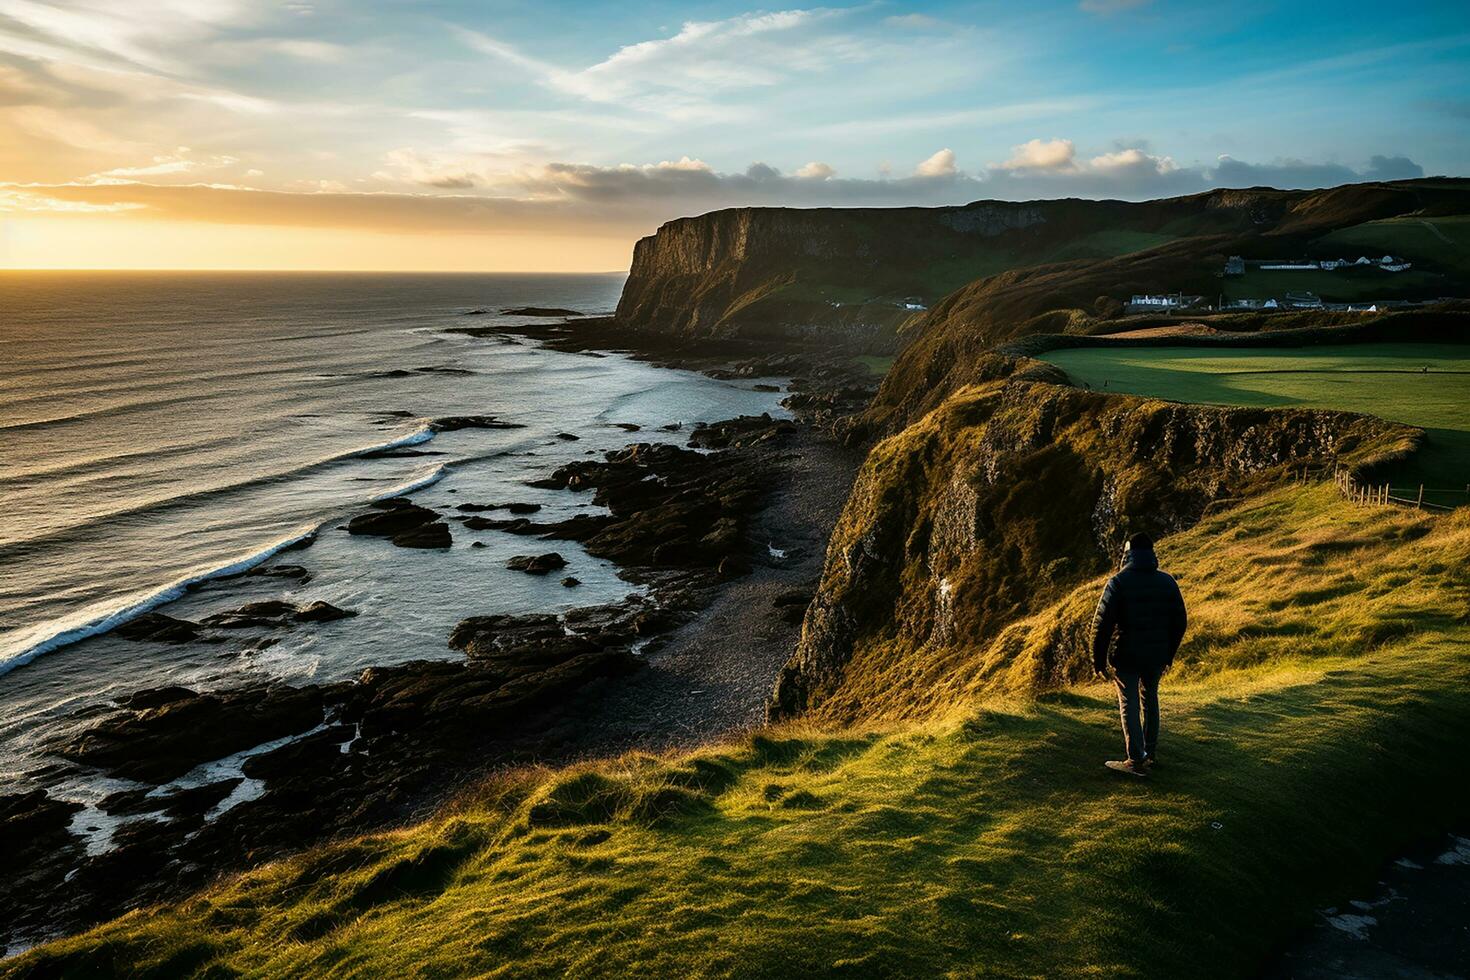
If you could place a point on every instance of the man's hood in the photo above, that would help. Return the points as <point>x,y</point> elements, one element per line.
<point>1142,559</point>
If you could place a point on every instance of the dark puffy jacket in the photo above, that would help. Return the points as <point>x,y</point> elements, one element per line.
<point>1143,606</point>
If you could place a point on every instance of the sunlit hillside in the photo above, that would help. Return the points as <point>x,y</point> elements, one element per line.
<point>1313,725</point>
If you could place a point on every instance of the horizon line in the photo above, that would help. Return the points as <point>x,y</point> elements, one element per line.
<point>364,272</point>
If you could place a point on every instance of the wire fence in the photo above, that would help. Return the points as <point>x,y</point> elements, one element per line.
<point>1383,494</point>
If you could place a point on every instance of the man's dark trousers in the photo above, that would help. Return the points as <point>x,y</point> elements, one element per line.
<point>1137,690</point>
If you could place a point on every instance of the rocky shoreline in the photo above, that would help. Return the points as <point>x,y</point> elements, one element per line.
<point>697,527</point>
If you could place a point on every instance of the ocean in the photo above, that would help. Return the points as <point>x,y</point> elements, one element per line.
<point>163,433</point>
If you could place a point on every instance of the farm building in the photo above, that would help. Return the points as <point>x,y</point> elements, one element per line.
<point>1235,266</point>
<point>1144,303</point>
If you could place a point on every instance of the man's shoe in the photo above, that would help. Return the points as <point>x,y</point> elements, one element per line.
<point>1128,767</point>
<point>1151,760</point>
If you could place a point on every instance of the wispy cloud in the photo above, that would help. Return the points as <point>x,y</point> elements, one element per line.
<point>633,199</point>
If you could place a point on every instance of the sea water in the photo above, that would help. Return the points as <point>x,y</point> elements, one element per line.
<point>161,433</point>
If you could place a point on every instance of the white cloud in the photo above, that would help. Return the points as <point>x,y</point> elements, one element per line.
<point>1132,159</point>
<point>816,170</point>
<point>1037,154</point>
<point>309,50</point>
<point>941,164</point>
<point>632,199</point>
<point>686,77</point>
<point>141,32</point>
<point>163,165</point>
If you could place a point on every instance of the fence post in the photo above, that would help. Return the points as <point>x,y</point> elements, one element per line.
<point>1420,504</point>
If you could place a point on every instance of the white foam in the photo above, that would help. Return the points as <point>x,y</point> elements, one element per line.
<point>419,436</point>
<point>96,625</point>
<point>115,618</point>
<point>438,473</point>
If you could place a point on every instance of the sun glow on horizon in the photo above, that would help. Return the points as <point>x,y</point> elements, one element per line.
<point>467,137</point>
<point>108,242</point>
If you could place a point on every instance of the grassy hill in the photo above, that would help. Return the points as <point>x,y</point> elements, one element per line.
<point>1441,242</point>
<point>1386,380</point>
<point>842,276</point>
<point>1314,724</point>
<point>932,801</point>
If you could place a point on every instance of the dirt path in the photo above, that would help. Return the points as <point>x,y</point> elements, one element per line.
<point>712,676</point>
<point>1439,234</point>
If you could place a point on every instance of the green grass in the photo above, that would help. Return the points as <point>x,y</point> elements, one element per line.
<point>877,366</point>
<point>987,841</point>
<point>1443,241</point>
<point>1342,286</point>
<point>1109,243</point>
<point>1375,379</point>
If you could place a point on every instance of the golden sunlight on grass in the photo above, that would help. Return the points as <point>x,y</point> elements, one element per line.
<point>1313,726</point>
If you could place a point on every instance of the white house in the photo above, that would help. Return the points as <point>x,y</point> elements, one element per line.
<point>1163,302</point>
<point>1330,264</point>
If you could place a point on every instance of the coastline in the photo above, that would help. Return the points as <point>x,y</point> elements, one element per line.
<point>694,663</point>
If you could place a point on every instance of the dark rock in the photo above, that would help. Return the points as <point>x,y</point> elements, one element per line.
<point>540,311</point>
<point>477,544</point>
<point>628,426</point>
<point>322,612</point>
<point>297,572</point>
<point>765,387</point>
<point>571,581</point>
<point>512,508</point>
<point>25,816</point>
<point>435,535</point>
<point>193,802</point>
<point>159,628</point>
<point>568,437</point>
<point>747,430</point>
<point>391,520</point>
<point>159,744</point>
<point>537,564</point>
<point>733,566</point>
<point>253,615</point>
<point>155,697</point>
<point>303,756</point>
<point>452,423</point>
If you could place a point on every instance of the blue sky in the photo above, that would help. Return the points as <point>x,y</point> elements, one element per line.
<point>603,119</point>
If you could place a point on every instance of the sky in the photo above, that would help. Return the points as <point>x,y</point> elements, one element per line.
<point>543,136</point>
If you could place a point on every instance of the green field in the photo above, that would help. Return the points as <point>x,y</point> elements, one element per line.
<point>1340,286</point>
<point>1315,724</point>
<point>1443,241</point>
<point>1386,380</point>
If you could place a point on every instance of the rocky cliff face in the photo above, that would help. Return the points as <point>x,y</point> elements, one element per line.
<point>1001,502</point>
<point>846,276</point>
<point>825,275</point>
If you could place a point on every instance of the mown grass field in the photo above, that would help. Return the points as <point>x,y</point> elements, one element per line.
<point>1387,380</point>
<point>1315,724</point>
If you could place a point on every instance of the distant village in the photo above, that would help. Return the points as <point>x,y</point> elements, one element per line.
<point>1236,266</point>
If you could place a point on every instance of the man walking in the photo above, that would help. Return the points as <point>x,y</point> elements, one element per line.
<point>1143,607</point>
